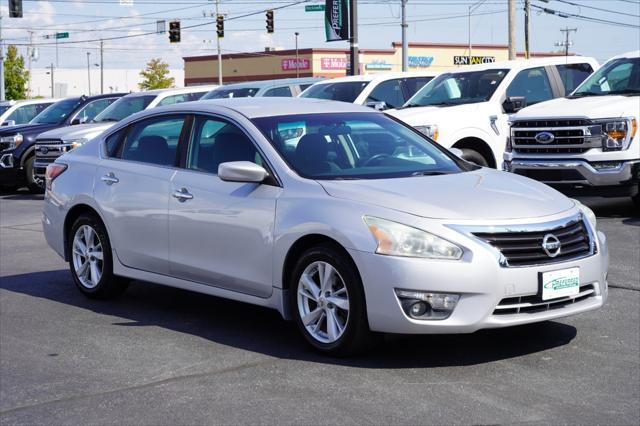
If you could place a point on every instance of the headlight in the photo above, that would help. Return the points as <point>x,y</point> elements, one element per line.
<point>395,239</point>
<point>588,213</point>
<point>430,131</point>
<point>75,143</point>
<point>13,141</point>
<point>617,133</point>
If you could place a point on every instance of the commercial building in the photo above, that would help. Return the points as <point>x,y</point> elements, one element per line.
<point>322,62</point>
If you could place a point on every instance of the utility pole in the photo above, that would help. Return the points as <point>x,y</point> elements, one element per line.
<point>566,43</point>
<point>297,56</point>
<point>52,84</point>
<point>471,9</point>
<point>354,53</point>
<point>89,72</point>
<point>512,30</point>
<point>405,43</point>
<point>30,58</point>
<point>527,30</point>
<point>101,67</point>
<point>219,50</point>
<point>1,61</point>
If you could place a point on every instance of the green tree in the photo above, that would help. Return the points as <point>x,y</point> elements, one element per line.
<point>156,75</point>
<point>15,76</point>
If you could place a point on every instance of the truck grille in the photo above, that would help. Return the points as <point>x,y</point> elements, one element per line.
<point>562,136</point>
<point>534,303</point>
<point>47,150</point>
<point>524,248</point>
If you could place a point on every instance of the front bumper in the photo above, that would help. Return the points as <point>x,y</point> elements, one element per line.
<point>10,170</point>
<point>579,175</point>
<point>482,285</point>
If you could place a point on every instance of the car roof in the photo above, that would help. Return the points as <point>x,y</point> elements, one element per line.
<point>30,101</point>
<point>525,63</point>
<point>632,54</point>
<point>175,90</point>
<point>262,107</point>
<point>105,95</point>
<point>381,76</point>
<point>259,84</point>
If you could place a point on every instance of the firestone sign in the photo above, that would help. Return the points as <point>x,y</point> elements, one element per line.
<point>334,63</point>
<point>464,60</point>
<point>289,64</point>
<point>420,61</point>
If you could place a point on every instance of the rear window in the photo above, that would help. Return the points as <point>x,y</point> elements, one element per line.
<point>346,91</point>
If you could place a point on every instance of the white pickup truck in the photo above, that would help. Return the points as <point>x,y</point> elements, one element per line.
<point>588,142</point>
<point>469,108</point>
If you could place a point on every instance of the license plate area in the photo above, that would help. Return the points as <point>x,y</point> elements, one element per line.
<point>559,283</point>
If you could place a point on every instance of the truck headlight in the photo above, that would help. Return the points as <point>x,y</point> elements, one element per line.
<point>13,141</point>
<point>395,239</point>
<point>430,131</point>
<point>617,133</point>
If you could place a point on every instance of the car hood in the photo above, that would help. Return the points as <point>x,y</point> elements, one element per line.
<point>80,131</point>
<point>416,116</point>
<point>26,128</point>
<point>591,107</point>
<point>481,194</point>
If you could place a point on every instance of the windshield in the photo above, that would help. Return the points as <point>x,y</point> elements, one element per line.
<point>124,107</point>
<point>245,92</point>
<point>459,88</point>
<point>620,76</point>
<point>3,108</point>
<point>346,91</point>
<point>57,112</point>
<point>354,146</point>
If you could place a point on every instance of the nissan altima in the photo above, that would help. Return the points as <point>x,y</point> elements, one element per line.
<point>342,218</point>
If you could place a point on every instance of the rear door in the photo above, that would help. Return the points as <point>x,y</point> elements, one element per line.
<point>569,76</point>
<point>221,233</point>
<point>133,188</point>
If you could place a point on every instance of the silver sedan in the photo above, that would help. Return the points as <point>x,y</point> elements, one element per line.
<point>340,217</point>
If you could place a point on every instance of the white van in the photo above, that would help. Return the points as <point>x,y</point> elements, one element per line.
<point>469,108</point>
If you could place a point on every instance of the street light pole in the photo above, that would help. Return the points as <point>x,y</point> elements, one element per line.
<point>297,56</point>
<point>219,50</point>
<point>405,43</point>
<point>89,72</point>
<point>354,53</point>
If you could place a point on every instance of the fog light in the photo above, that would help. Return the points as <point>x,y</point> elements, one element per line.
<point>426,305</point>
<point>603,165</point>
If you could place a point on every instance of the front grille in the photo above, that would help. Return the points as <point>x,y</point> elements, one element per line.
<point>551,175</point>
<point>569,136</point>
<point>47,150</point>
<point>534,303</point>
<point>522,248</point>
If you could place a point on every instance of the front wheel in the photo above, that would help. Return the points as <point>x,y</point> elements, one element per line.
<point>328,303</point>
<point>91,262</point>
<point>30,176</point>
<point>473,156</point>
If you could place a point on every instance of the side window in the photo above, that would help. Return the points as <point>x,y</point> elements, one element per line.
<point>533,84</point>
<point>112,143</point>
<point>305,86</point>
<point>413,84</point>
<point>573,74</point>
<point>154,141</point>
<point>92,109</point>
<point>41,107</point>
<point>23,114</point>
<point>215,141</point>
<point>282,92</point>
<point>173,99</point>
<point>389,92</point>
<point>194,96</point>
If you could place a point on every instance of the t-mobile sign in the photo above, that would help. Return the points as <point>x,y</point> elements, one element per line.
<point>333,63</point>
<point>290,64</point>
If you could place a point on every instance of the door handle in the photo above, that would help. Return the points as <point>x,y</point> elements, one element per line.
<point>182,195</point>
<point>110,178</point>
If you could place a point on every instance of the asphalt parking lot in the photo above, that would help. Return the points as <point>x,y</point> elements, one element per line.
<point>166,356</point>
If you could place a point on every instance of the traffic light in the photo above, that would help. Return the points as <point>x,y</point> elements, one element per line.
<point>220,25</point>
<point>15,8</point>
<point>174,32</point>
<point>269,21</point>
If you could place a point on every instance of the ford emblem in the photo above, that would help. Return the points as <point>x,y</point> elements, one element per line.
<point>551,245</point>
<point>544,137</point>
<point>43,150</point>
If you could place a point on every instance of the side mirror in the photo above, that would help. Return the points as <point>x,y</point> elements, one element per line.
<point>242,171</point>
<point>377,105</point>
<point>75,121</point>
<point>9,123</point>
<point>514,104</point>
<point>457,152</point>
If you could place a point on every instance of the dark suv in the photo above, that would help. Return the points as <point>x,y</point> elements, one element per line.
<point>17,143</point>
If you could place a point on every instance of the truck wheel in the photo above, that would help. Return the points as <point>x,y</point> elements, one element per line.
<point>30,177</point>
<point>474,157</point>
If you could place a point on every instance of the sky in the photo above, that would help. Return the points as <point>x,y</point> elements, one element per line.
<point>444,21</point>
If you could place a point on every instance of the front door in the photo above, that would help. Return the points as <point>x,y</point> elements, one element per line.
<point>133,188</point>
<point>221,233</point>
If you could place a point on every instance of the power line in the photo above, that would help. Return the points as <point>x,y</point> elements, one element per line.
<point>582,17</point>
<point>598,8</point>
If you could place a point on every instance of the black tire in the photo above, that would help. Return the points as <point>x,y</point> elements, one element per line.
<point>109,285</point>
<point>356,336</point>
<point>29,176</point>
<point>473,156</point>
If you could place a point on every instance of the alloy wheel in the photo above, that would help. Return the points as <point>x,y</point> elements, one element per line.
<point>323,302</point>
<point>87,256</point>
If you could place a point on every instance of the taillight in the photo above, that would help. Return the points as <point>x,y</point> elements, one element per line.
<point>53,171</point>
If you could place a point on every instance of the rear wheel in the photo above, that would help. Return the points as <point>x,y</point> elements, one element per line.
<point>90,260</point>
<point>473,156</point>
<point>30,176</point>
<point>328,302</point>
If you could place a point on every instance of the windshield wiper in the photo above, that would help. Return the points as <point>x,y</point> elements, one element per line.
<point>625,92</point>
<point>410,106</point>
<point>428,173</point>
<point>585,94</point>
<point>102,120</point>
